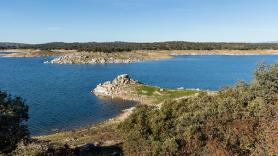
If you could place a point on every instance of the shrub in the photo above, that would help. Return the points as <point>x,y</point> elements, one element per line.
<point>266,81</point>
<point>13,117</point>
<point>235,121</point>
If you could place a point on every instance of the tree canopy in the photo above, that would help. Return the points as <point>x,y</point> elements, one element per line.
<point>13,117</point>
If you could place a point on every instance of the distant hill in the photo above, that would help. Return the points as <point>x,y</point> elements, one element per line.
<point>9,45</point>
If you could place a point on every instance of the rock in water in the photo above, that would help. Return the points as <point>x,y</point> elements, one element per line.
<point>111,88</point>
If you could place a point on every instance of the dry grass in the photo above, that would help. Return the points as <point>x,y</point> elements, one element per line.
<point>104,133</point>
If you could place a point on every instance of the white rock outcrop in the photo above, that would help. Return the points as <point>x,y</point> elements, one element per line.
<point>92,58</point>
<point>112,88</point>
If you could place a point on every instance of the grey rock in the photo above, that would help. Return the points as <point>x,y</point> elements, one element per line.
<point>110,88</point>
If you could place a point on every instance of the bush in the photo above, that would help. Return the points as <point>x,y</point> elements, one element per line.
<point>266,81</point>
<point>235,121</point>
<point>13,117</point>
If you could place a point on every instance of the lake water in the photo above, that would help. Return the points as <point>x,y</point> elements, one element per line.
<point>59,95</point>
<point>7,52</point>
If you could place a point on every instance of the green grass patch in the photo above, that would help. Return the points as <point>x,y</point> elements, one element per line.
<point>147,90</point>
<point>164,94</point>
<point>180,93</point>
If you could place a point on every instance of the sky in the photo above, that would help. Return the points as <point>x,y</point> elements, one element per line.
<point>41,21</point>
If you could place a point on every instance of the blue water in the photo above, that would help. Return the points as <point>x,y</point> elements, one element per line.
<point>59,95</point>
<point>7,52</point>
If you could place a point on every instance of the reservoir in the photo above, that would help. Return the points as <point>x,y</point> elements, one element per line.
<point>59,96</point>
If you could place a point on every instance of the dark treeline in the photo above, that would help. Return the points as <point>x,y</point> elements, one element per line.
<point>129,46</point>
<point>8,45</point>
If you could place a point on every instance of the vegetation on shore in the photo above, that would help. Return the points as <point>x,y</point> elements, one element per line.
<point>239,120</point>
<point>162,94</point>
<point>152,95</point>
<point>13,117</point>
<point>131,46</point>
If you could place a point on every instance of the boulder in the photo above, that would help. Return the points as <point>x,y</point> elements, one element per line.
<point>110,88</point>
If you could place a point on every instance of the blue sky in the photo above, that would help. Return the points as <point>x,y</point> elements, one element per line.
<point>40,21</point>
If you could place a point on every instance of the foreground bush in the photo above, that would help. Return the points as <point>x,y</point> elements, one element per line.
<point>239,120</point>
<point>13,116</point>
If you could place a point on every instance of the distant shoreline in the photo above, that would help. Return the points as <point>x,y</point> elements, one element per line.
<point>22,53</point>
<point>74,57</point>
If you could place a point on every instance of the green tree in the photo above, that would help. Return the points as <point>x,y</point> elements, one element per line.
<point>266,81</point>
<point>13,118</point>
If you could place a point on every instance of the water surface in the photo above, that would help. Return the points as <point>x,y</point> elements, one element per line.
<point>7,52</point>
<point>59,95</point>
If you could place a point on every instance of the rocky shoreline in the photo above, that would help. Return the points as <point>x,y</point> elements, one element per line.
<point>125,88</point>
<point>89,58</point>
<point>100,58</point>
<point>75,57</point>
<point>138,56</point>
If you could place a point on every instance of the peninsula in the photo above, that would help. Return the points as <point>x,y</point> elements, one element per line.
<point>124,87</point>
